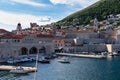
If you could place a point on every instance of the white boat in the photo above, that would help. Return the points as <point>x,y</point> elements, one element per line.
<point>43,60</point>
<point>112,54</point>
<point>115,53</point>
<point>11,61</point>
<point>26,59</point>
<point>19,70</point>
<point>64,60</point>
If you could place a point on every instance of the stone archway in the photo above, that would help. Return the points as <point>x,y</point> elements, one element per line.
<point>42,50</point>
<point>24,51</point>
<point>33,50</point>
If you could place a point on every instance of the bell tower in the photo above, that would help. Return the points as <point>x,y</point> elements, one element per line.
<point>19,28</point>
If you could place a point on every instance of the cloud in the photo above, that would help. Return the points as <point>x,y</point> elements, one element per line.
<point>82,3</point>
<point>7,27</point>
<point>12,19</point>
<point>29,2</point>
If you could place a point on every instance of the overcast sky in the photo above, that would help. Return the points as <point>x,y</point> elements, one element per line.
<point>39,11</point>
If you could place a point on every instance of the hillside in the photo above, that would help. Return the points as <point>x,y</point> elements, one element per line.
<point>99,10</point>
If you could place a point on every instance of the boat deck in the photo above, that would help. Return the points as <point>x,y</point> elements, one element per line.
<point>8,68</point>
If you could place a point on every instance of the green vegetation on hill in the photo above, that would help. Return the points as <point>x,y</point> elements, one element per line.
<point>99,10</point>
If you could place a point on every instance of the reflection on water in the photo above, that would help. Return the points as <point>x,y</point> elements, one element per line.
<point>78,69</point>
<point>109,58</point>
<point>4,75</point>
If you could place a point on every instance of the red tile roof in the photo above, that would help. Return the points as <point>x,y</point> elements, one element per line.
<point>3,31</point>
<point>18,36</point>
<point>45,35</point>
<point>59,41</point>
<point>12,36</point>
<point>6,36</point>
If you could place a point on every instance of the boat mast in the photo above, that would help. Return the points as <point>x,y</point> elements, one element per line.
<point>36,65</point>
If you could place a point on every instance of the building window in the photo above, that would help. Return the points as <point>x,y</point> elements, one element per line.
<point>56,45</point>
<point>18,40</point>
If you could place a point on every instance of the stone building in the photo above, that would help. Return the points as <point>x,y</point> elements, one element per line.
<point>20,45</point>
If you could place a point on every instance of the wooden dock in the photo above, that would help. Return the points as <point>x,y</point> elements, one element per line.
<point>8,68</point>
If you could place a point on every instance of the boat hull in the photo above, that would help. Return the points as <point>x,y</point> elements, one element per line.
<point>63,61</point>
<point>44,61</point>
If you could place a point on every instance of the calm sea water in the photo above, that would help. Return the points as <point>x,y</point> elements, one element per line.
<point>78,69</point>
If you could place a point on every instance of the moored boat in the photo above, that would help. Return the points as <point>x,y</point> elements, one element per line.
<point>19,70</point>
<point>11,61</point>
<point>64,60</point>
<point>43,60</point>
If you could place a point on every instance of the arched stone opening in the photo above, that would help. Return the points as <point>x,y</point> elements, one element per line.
<point>33,50</point>
<point>42,50</point>
<point>24,51</point>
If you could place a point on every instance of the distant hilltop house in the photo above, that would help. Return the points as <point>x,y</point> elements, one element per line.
<point>114,17</point>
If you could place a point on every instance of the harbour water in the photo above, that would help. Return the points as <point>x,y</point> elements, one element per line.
<point>78,69</point>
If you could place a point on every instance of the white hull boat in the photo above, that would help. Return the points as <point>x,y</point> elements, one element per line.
<point>64,60</point>
<point>19,70</point>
